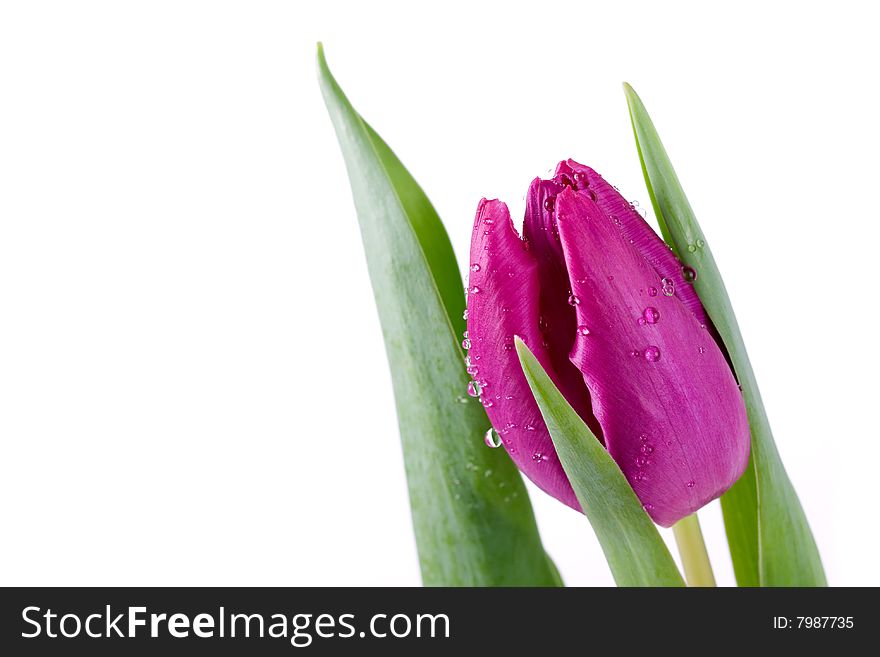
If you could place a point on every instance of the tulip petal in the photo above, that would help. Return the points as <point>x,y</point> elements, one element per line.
<point>503,303</point>
<point>635,228</point>
<point>671,412</point>
<point>557,321</point>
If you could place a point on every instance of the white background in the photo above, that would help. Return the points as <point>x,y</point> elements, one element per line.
<point>193,387</point>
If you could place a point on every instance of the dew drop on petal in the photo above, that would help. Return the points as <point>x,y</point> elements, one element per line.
<point>573,300</point>
<point>474,290</point>
<point>652,354</point>
<point>652,291</point>
<point>492,439</point>
<point>466,343</point>
<point>691,483</point>
<point>689,274</point>
<point>702,350</point>
<point>474,389</point>
<point>635,353</point>
<point>583,330</point>
<point>550,203</point>
<point>475,267</point>
<point>651,315</point>
<point>464,315</point>
<point>668,287</point>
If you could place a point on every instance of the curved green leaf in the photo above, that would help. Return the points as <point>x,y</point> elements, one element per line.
<point>770,540</point>
<point>632,545</point>
<point>473,521</point>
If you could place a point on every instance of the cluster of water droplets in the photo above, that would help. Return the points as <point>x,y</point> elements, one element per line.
<point>699,244</point>
<point>643,460</point>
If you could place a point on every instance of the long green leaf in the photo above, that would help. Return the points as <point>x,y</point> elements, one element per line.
<point>633,547</point>
<point>770,540</point>
<point>473,521</point>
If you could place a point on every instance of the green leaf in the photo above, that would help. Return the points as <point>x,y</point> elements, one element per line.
<point>473,521</point>
<point>770,540</point>
<point>633,547</point>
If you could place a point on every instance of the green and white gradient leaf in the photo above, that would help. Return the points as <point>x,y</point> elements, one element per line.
<point>632,545</point>
<point>770,541</point>
<point>473,521</point>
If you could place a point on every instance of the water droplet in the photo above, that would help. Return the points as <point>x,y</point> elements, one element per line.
<point>652,354</point>
<point>652,291</point>
<point>487,403</point>
<point>573,300</point>
<point>643,438</point>
<point>651,315</point>
<point>529,427</point>
<point>487,473</point>
<point>639,476</point>
<point>668,287</point>
<point>505,309</point>
<point>635,353</point>
<point>489,221</point>
<point>669,443</point>
<point>508,344</point>
<point>702,350</point>
<point>642,461</point>
<point>492,439</point>
<point>464,315</point>
<point>539,456</point>
<point>550,203</point>
<point>689,274</point>
<point>692,247</point>
<point>583,330</point>
<point>691,483</point>
<point>461,399</point>
<point>641,321</point>
<point>647,449</point>
<point>474,290</point>
<point>466,343</point>
<point>580,177</point>
<point>648,507</point>
<point>700,244</point>
<point>565,180</point>
<point>475,267</point>
<point>474,389</point>
<point>610,278</point>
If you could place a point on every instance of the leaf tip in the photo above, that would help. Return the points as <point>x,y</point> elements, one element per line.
<point>323,69</point>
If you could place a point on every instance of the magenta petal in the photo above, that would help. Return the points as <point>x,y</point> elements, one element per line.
<point>671,412</point>
<point>635,228</point>
<point>503,302</point>
<point>557,321</point>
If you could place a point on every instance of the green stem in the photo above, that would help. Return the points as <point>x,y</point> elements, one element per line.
<point>689,538</point>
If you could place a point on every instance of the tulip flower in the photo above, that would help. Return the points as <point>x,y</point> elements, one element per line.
<point>613,318</point>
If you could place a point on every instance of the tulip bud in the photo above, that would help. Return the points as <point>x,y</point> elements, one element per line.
<point>613,318</point>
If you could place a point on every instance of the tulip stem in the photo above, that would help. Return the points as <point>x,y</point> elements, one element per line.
<point>689,538</point>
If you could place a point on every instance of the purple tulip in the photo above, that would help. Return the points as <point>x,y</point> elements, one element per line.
<point>613,318</point>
